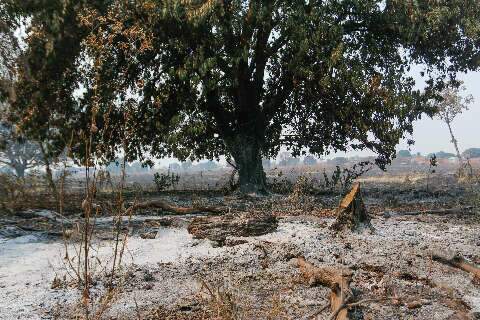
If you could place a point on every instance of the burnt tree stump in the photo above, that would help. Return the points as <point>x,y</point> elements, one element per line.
<point>218,228</point>
<point>351,213</point>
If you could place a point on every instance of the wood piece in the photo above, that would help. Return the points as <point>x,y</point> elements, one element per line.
<point>388,214</point>
<point>149,234</point>
<point>459,263</point>
<point>218,228</point>
<point>161,204</point>
<point>351,213</point>
<point>337,279</point>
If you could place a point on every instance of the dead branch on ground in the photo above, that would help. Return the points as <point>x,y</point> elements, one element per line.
<point>337,279</point>
<point>219,228</point>
<point>161,204</point>
<point>459,263</point>
<point>431,211</point>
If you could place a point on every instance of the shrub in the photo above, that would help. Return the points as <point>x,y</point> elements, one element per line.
<point>164,181</point>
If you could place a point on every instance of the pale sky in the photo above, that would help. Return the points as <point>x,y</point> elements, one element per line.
<point>431,135</point>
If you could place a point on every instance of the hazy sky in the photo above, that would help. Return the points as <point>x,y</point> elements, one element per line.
<point>431,135</point>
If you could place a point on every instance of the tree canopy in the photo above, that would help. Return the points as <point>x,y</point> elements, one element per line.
<point>404,154</point>
<point>449,106</point>
<point>240,78</point>
<point>18,153</point>
<point>441,155</point>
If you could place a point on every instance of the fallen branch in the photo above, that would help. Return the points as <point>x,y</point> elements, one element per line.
<point>337,279</point>
<point>364,301</point>
<point>459,263</point>
<point>219,228</point>
<point>160,204</point>
<point>431,211</point>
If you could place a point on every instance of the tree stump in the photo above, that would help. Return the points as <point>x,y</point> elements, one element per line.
<point>218,228</point>
<point>351,213</point>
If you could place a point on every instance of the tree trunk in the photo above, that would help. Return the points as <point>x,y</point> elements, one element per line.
<point>49,175</point>
<point>50,181</point>
<point>248,159</point>
<point>455,143</point>
<point>19,170</point>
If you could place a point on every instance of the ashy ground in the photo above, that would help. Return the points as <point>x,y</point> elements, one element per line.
<point>173,276</point>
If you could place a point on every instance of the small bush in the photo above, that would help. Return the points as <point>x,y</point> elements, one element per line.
<point>167,180</point>
<point>344,177</point>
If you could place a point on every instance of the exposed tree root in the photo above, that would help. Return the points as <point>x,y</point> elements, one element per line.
<point>337,279</point>
<point>459,263</point>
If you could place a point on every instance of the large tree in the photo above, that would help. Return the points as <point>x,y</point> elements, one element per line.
<point>242,78</point>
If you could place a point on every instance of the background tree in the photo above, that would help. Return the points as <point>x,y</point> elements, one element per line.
<point>175,166</point>
<point>309,160</point>
<point>201,79</point>
<point>451,105</point>
<point>18,153</point>
<point>186,165</point>
<point>471,153</point>
<point>404,154</point>
<point>441,155</point>
<point>8,52</point>
<point>267,163</point>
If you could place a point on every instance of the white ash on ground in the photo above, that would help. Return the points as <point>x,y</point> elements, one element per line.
<point>173,273</point>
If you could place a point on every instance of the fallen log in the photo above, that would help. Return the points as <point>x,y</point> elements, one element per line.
<point>388,214</point>
<point>459,263</point>
<point>161,204</point>
<point>351,213</point>
<point>218,228</point>
<point>337,279</point>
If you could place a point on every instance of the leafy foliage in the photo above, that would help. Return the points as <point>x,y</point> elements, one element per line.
<point>452,103</point>
<point>449,106</point>
<point>164,181</point>
<point>240,78</point>
<point>344,177</point>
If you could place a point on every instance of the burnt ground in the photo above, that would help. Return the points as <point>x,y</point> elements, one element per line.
<point>173,276</point>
